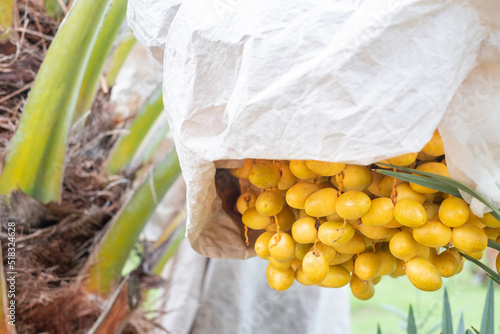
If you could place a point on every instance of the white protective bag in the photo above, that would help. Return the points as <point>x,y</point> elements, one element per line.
<point>345,81</point>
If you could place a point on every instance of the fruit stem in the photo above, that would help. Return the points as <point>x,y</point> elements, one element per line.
<point>343,230</point>
<point>341,180</point>
<point>246,235</point>
<point>248,196</point>
<point>394,192</point>
<point>277,225</point>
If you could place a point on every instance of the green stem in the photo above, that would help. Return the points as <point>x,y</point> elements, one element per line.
<point>127,146</point>
<point>118,57</point>
<point>112,252</point>
<point>36,158</point>
<point>110,28</point>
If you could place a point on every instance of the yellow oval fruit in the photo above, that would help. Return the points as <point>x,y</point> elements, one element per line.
<point>315,266</point>
<point>300,170</point>
<point>280,279</point>
<point>246,201</point>
<point>321,203</point>
<point>431,210</point>
<point>262,245</point>
<point>400,269</point>
<point>404,191</point>
<point>374,186</point>
<point>271,227</point>
<point>392,232</point>
<point>433,252</point>
<point>304,230</point>
<point>352,204</point>
<point>325,168</point>
<point>476,255</point>
<point>340,258</point>
<point>361,289</point>
<point>490,221</point>
<point>286,218</point>
<point>359,285</point>
<point>295,264</point>
<point>302,213</point>
<point>422,251</point>
<point>410,213</point>
<point>385,185</point>
<point>379,213</point>
<point>368,294</point>
<point>348,265</point>
<point>302,278</point>
<point>431,167</point>
<point>355,245</point>
<point>374,232</point>
<point>433,234</point>
<point>434,147</point>
<point>337,277</point>
<point>376,280</point>
<point>423,274</point>
<point>404,159</point>
<point>287,179</point>
<point>421,156</point>
<point>328,251</point>
<point>491,233</point>
<point>280,265</point>
<point>385,161</point>
<point>335,233</point>
<point>298,194</point>
<point>388,263</point>
<point>393,224</point>
<point>242,172</point>
<point>367,265</point>
<point>301,250</point>
<point>354,177</point>
<point>269,203</point>
<point>282,247</point>
<point>403,246</point>
<point>324,184</point>
<point>446,263</point>
<point>254,220</point>
<point>453,212</point>
<point>264,174</point>
<point>469,238</point>
<point>334,217</point>
<point>474,220</point>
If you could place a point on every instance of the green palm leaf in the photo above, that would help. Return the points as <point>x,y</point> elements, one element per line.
<point>444,181</point>
<point>490,272</point>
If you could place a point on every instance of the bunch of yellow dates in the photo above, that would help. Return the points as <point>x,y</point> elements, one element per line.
<point>332,224</point>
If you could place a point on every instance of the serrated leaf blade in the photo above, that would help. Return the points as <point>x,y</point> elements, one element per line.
<point>411,325</point>
<point>461,326</point>
<point>488,322</point>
